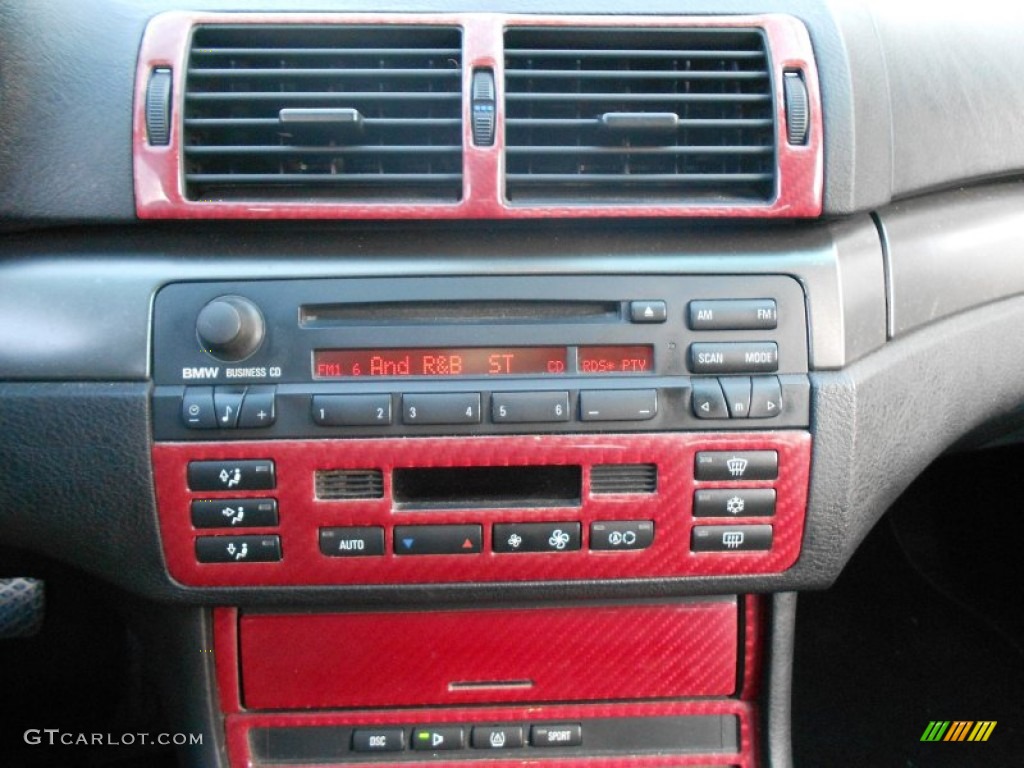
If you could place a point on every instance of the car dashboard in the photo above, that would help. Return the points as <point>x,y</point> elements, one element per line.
<point>478,385</point>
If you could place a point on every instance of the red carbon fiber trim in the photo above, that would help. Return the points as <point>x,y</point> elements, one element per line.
<point>301,514</point>
<point>159,192</point>
<point>238,726</point>
<point>486,656</point>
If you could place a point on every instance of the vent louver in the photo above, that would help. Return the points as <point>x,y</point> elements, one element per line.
<point>638,116</point>
<point>623,478</point>
<point>337,113</point>
<point>336,484</point>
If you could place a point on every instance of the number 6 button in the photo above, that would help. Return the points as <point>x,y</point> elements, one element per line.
<point>519,407</point>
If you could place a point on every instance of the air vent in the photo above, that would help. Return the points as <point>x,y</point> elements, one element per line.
<point>623,478</point>
<point>336,484</point>
<point>336,113</point>
<point>638,116</point>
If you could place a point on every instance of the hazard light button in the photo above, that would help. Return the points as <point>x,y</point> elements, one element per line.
<point>438,539</point>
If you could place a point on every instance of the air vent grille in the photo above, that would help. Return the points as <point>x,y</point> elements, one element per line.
<point>623,478</point>
<point>337,484</point>
<point>638,116</point>
<point>340,113</point>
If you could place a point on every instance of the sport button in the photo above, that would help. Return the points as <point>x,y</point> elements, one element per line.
<point>556,735</point>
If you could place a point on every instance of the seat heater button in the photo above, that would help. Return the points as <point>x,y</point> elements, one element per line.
<point>241,475</point>
<point>234,513</point>
<point>378,740</point>
<point>556,735</point>
<point>238,549</point>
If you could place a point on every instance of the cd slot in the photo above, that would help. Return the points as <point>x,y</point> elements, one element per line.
<point>458,312</point>
<point>420,488</point>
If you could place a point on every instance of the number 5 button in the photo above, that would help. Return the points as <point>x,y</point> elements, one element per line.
<point>519,407</point>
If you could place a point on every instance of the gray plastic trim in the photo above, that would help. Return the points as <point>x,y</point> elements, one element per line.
<point>78,308</point>
<point>954,72</point>
<point>778,699</point>
<point>952,252</point>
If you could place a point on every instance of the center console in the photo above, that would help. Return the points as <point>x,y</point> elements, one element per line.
<point>391,432</point>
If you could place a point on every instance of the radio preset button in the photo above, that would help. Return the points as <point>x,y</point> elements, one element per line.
<point>258,407</point>
<point>733,315</point>
<point>521,407</point>
<point>197,408</point>
<point>731,538</point>
<point>241,475</point>
<point>352,410</point>
<point>536,537</point>
<point>227,403</point>
<point>736,465</point>
<point>238,549</point>
<point>454,408</point>
<point>618,404</point>
<point>765,397</point>
<point>708,399</point>
<point>352,542</point>
<point>648,311</point>
<point>234,513</point>
<point>438,539</point>
<point>734,357</point>
<point>621,534</point>
<point>737,395</point>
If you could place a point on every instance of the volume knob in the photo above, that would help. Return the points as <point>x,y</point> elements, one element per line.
<point>230,328</point>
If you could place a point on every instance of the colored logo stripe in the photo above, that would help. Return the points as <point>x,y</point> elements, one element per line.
<point>958,730</point>
<point>982,730</point>
<point>935,730</point>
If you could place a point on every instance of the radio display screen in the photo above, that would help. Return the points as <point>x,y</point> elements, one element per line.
<point>637,358</point>
<point>481,362</point>
<point>439,361</point>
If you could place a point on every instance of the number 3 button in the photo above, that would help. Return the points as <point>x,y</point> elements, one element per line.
<point>455,408</point>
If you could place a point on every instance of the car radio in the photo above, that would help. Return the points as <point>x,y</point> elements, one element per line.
<point>400,430</point>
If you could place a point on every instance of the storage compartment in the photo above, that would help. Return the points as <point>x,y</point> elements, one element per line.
<point>614,652</point>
